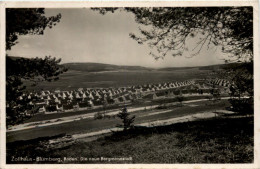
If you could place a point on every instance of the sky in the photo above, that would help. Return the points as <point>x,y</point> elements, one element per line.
<point>84,35</point>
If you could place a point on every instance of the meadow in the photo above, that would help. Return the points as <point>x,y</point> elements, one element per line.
<point>74,79</point>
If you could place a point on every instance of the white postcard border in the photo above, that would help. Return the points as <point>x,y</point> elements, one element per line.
<point>80,4</point>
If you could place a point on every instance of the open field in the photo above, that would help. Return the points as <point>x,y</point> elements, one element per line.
<point>81,79</point>
<point>217,140</point>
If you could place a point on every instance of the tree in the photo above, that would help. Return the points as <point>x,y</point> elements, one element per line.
<point>241,75</point>
<point>169,28</point>
<point>126,119</point>
<point>241,88</point>
<point>215,93</point>
<point>180,99</point>
<point>22,21</point>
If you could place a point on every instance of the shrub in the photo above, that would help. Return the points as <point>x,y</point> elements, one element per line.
<point>126,119</point>
<point>242,106</point>
<point>180,99</point>
<point>98,116</point>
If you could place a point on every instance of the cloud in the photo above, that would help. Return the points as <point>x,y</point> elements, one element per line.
<point>25,45</point>
<point>84,35</point>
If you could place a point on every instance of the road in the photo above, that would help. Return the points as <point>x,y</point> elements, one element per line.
<point>86,123</point>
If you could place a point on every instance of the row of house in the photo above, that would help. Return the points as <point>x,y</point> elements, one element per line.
<point>60,101</point>
<point>219,82</point>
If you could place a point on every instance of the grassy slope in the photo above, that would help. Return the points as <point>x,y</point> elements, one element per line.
<point>208,141</point>
<point>211,141</point>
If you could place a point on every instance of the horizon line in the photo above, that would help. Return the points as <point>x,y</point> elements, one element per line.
<point>145,66</point>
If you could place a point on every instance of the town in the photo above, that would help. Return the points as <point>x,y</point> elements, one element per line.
<point>58,101</point>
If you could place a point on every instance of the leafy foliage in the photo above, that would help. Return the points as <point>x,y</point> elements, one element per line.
<point>168,29</point>
<point>21,21</point>
<point>35,70</point>
<point>214,93</point>
<point>99,115</point>
<point>242,105</point>
<point>242,77</point>
<point>180,99</point>
<point>126,119</point>
<point>242,88</point>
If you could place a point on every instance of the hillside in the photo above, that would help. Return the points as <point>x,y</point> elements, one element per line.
<point>210,67</point>
<point>216,140</point>
<point>97,67</point>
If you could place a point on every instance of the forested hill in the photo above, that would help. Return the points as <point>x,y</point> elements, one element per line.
<point>210,67</point>
<point>97,67</point>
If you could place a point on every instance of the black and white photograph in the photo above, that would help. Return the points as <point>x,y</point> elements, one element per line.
<point>118,84</point>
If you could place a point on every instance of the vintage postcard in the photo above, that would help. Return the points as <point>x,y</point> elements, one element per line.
<point>130,84</point>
